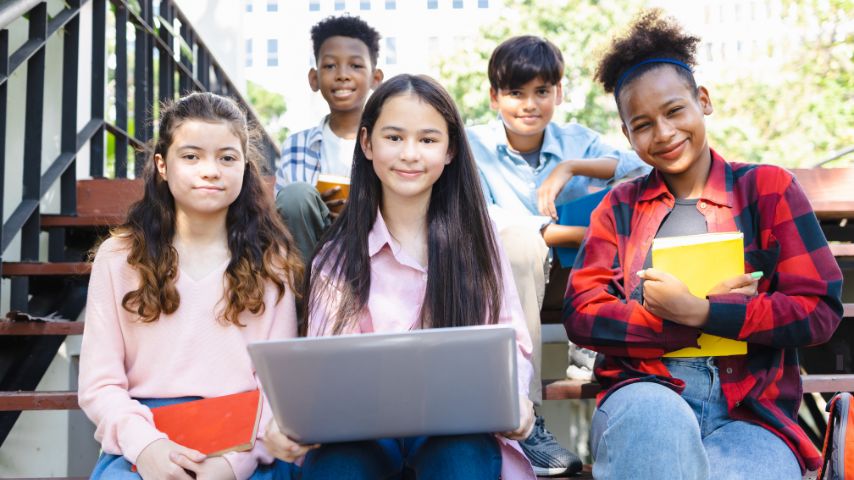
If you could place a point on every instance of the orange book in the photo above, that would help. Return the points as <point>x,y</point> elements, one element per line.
<point>326,181</point>
<point>213,426</point>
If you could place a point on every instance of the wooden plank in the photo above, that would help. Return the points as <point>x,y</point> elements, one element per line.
<point>568,389</point>
<point>20,269</point>
<point>107,197</point>
<point>41,328</point>
<point>828,190</point>
<point>58,221</point>
<point>842,249</point>
<point>828,383</point>
<point>26,400</point>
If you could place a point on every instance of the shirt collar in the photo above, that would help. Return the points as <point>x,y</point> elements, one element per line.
<point>718,188</point>
<point>379,237</point>
<point>550,144</point>
<point>315,135</point>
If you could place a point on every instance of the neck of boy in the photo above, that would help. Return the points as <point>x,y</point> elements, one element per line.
<point>524,143</point>
<point>690,183</point>
<point>406,220</point>
<point>345,124</point>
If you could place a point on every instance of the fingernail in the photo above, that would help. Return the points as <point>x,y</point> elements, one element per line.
<point>756,275</point>
<point>641,272</point>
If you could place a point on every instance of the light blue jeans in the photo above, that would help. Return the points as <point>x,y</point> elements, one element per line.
<point>115,467</point>
<point>648,431</point>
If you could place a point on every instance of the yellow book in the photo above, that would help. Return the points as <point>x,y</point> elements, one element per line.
<point>701,262</point>
<point>326,181</point>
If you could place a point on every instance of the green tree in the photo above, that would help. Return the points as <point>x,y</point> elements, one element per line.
<point>270,107</point>
<point>803,113</point>
<point>577,27</point>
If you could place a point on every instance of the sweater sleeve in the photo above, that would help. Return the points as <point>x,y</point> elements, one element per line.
<point>596,312</point>
<point>123,425</point>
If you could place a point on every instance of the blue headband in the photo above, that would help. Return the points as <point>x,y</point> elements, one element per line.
<point>634,68</point>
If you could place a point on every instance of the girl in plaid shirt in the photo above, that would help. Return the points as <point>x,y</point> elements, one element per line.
<point>699,417</point>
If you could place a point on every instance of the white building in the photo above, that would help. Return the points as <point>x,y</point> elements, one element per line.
<point>415,34</point>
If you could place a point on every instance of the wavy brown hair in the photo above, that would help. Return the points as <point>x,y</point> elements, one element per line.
<point>261,247</point>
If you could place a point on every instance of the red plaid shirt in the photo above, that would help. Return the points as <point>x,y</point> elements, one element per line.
<point>798,302</point>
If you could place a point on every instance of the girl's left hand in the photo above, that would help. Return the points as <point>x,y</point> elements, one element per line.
<point>667,297</point>
<point>211,468</point>
<point>526,423</point>
<point>282,447</point>
<point>551,187</point>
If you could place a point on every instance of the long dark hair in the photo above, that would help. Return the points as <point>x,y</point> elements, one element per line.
<point>261,247</point>
<point>464,285</point>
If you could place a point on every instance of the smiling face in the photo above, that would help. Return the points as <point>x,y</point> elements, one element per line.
<point>408,148</point>
<point>344,74</point>
<point>664,121</point>
<point>526,111</point>
<point>203,167</point>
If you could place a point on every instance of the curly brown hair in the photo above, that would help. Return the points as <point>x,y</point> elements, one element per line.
<point>261,247</point>
<point>651,35</point>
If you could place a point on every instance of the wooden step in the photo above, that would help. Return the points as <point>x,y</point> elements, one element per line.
<point>27,400</point>
<point>40,328</point>
<point>80,221</point>
<point>25,269</point>
<point>825,383</point>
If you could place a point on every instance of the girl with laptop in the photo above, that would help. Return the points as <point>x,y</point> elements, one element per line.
<point>201,267</point>
<point>414,249</point>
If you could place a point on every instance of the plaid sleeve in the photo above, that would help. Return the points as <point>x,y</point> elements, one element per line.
<point>596,311</point>
<point>799,302</point>
<point>288,162</point>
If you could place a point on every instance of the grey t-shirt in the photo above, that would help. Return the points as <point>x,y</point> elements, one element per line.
<point>533,158</point>
<point>684,219</point>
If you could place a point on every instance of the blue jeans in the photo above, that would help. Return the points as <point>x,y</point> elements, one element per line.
<point>648,431</point>
<point>451,457</point>
<point>111,467</point>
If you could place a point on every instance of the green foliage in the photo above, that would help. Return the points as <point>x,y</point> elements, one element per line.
<point>577,27</point>
<point>802,114</point>
<point>270,107</point>
<point>794,117</point>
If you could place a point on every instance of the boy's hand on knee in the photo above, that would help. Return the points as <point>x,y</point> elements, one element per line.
<point>551,187</point>
<point>282,447</point>
<point>526,420</point>
<point>331,203</point>
<point>667,297</point>
<point>155,460</point>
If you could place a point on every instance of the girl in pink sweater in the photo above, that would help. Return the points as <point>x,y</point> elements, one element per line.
<point>201,267</point>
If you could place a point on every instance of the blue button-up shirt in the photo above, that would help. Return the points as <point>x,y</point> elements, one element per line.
<point>510,184</point>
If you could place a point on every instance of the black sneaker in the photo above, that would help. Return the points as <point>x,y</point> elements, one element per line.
<point>546,455</point>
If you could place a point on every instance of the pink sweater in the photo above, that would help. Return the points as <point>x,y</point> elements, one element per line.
<point>187,353</point>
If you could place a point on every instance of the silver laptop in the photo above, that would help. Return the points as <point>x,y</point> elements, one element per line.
<point>442,381</point>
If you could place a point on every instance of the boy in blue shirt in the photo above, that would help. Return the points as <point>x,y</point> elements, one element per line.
<point>345,52</point>
<point>527,164</point>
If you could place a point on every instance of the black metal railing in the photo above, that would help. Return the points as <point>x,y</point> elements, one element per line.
<point>168,59</point>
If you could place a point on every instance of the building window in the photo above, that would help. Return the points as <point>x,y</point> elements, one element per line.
<point>248,6</point>
<point>364,4</point>
<point>390,50</point>
<point>248,52</point>
<point>432,4</point>
<point>339,5</point>
<point>272,52</point>
<point>314,5</point>
<point>458,4</point>
<point>482,3</point>
<point>272,5</point>
<point>390,4</point>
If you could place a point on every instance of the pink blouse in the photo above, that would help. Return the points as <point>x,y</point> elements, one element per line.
<point>398,286</point>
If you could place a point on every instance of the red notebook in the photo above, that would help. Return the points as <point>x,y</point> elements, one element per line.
<point>213,426</point>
